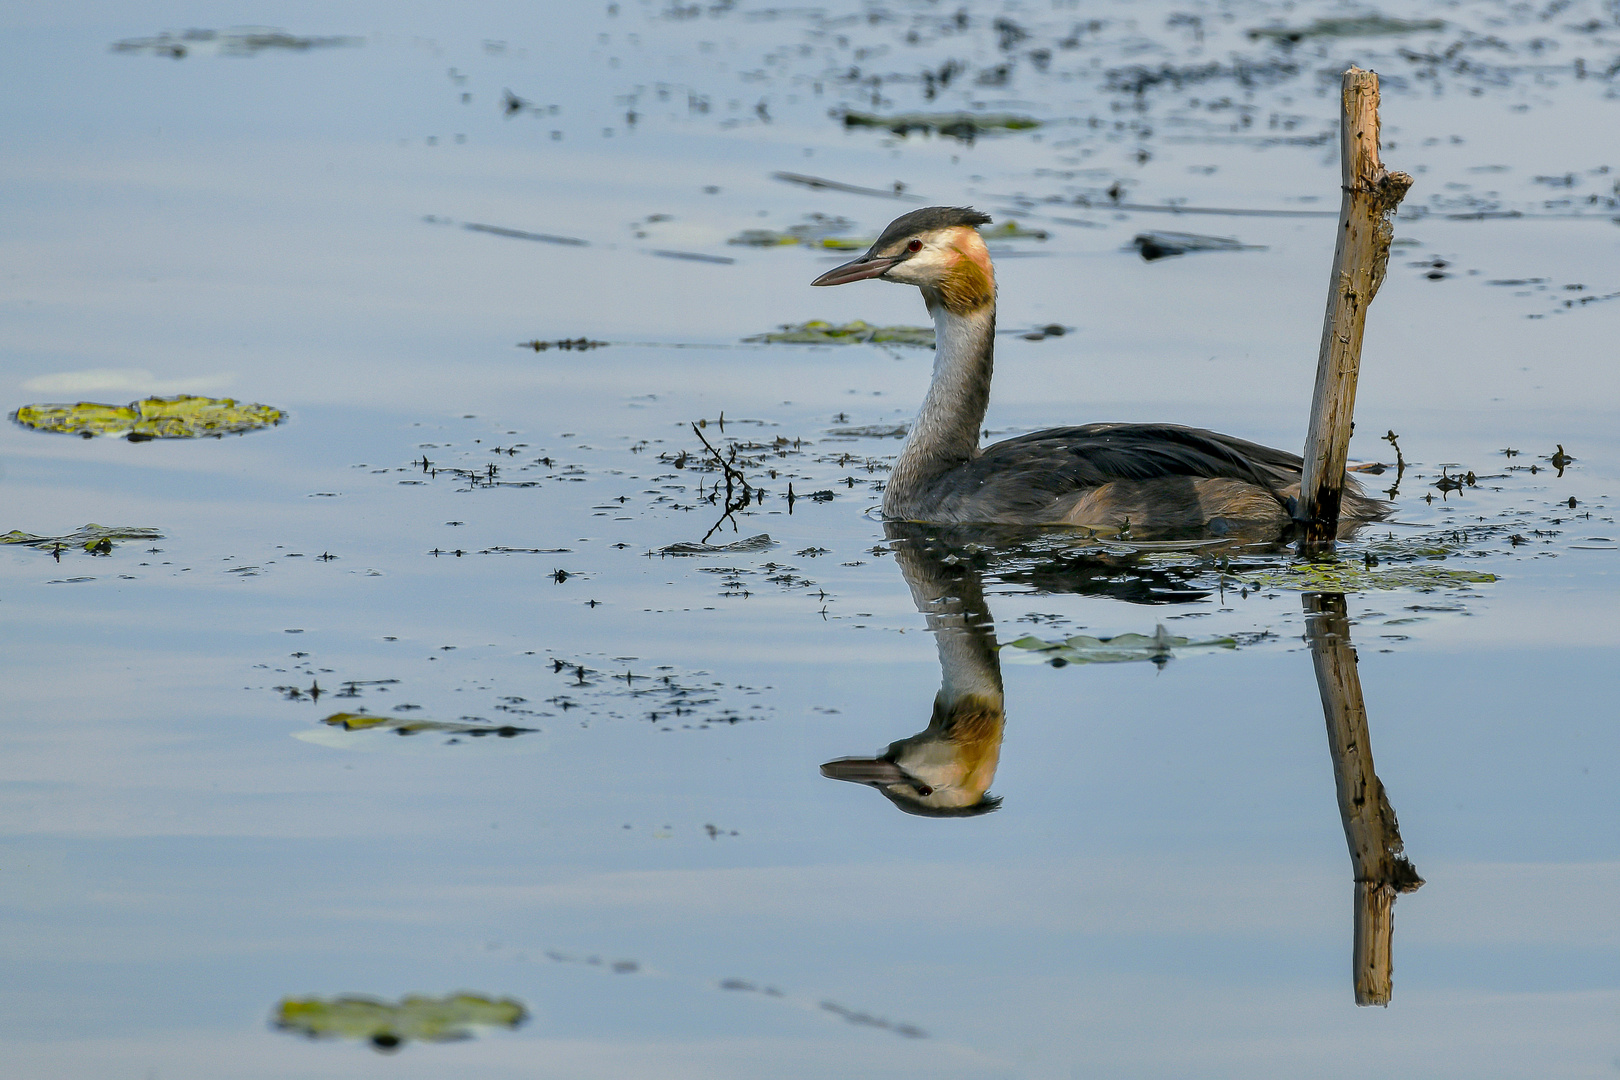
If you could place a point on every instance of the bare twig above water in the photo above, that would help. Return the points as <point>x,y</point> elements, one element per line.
<point>1371,194</point>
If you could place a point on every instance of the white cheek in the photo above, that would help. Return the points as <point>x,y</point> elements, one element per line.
<point>920,269</point>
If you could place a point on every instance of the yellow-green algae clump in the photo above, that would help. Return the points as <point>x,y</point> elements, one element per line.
<point>389,1026</point>
<point>182,417</point>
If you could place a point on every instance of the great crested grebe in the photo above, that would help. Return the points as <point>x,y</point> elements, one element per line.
<point>1150,478</point>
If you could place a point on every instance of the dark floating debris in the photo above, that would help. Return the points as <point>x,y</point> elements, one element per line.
<point>1041,333</point>
<point>1219,211</point>
<point>865,1019</point>
<point>237,41</point>
<point>579,344</point>
<point>761,542</point>
<point>897,191</point>
<point>519,234</point>
<point>694,256</point>
<point>1163,245</point>
<point>819,332</point>
<point>389,1026</point>
<point>1138,79</point>
<point>1352,26</point>
<point>180,417</point>
<point>965,127</point>
<point>872,431</point>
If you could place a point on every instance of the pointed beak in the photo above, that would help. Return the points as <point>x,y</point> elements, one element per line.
<point>875,771</point>
<point>867,266</point>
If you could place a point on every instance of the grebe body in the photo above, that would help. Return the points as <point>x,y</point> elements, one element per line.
<point>1150,479</point>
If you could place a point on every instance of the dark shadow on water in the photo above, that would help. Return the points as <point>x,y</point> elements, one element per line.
<point>946,769</point>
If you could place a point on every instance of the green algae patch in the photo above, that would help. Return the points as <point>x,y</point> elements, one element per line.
<point>1351,26</point>
<point>1120,649</point>
<point>97,539</point>
<point>963,126</point>
<point>774,238</point>
<point>1351,577</point>
<point>348,721</point>
<point>818,332</point>
<point>181,417</point>
<point>389,1026</point>
<point>1012,230</point>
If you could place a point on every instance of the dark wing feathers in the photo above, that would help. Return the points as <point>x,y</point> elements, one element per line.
<point>1031,471</point>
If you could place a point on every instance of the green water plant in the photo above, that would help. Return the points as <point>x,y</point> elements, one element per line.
<point>181,417</point>
<point>388,1026</point>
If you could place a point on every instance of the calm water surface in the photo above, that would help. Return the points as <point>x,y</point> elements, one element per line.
<point>621,821</point>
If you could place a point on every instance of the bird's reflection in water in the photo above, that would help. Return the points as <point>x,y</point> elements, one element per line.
<point>946,769</point>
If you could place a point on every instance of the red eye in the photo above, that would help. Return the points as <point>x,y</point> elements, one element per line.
<point>915,246</point>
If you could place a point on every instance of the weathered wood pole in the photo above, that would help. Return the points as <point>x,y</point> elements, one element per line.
<point>1360,257</point>
<point>1370,829</point>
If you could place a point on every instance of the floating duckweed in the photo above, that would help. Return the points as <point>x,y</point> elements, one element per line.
<point>389,1026</point>
<point>818,332</point>
<point>180,417</point>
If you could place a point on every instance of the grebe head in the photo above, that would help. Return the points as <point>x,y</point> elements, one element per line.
<point>938,249</point>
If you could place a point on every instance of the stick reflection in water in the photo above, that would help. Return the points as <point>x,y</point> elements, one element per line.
<point>1376,852</point>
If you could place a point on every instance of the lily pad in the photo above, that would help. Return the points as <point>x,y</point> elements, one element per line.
<point>181,417</point>
<point>90,537</point>
<point>818,332</point>
<point>963,126</point>
<point>389,1026</point>
<point>1120,649</point>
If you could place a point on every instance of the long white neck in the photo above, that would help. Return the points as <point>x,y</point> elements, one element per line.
<point>946,431</point>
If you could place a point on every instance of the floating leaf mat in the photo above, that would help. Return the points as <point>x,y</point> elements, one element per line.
<point>181,417</point>
<point>388,1026</point>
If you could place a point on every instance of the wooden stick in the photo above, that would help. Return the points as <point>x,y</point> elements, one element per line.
<point>1360,258</point>
<point>1370,829</point>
